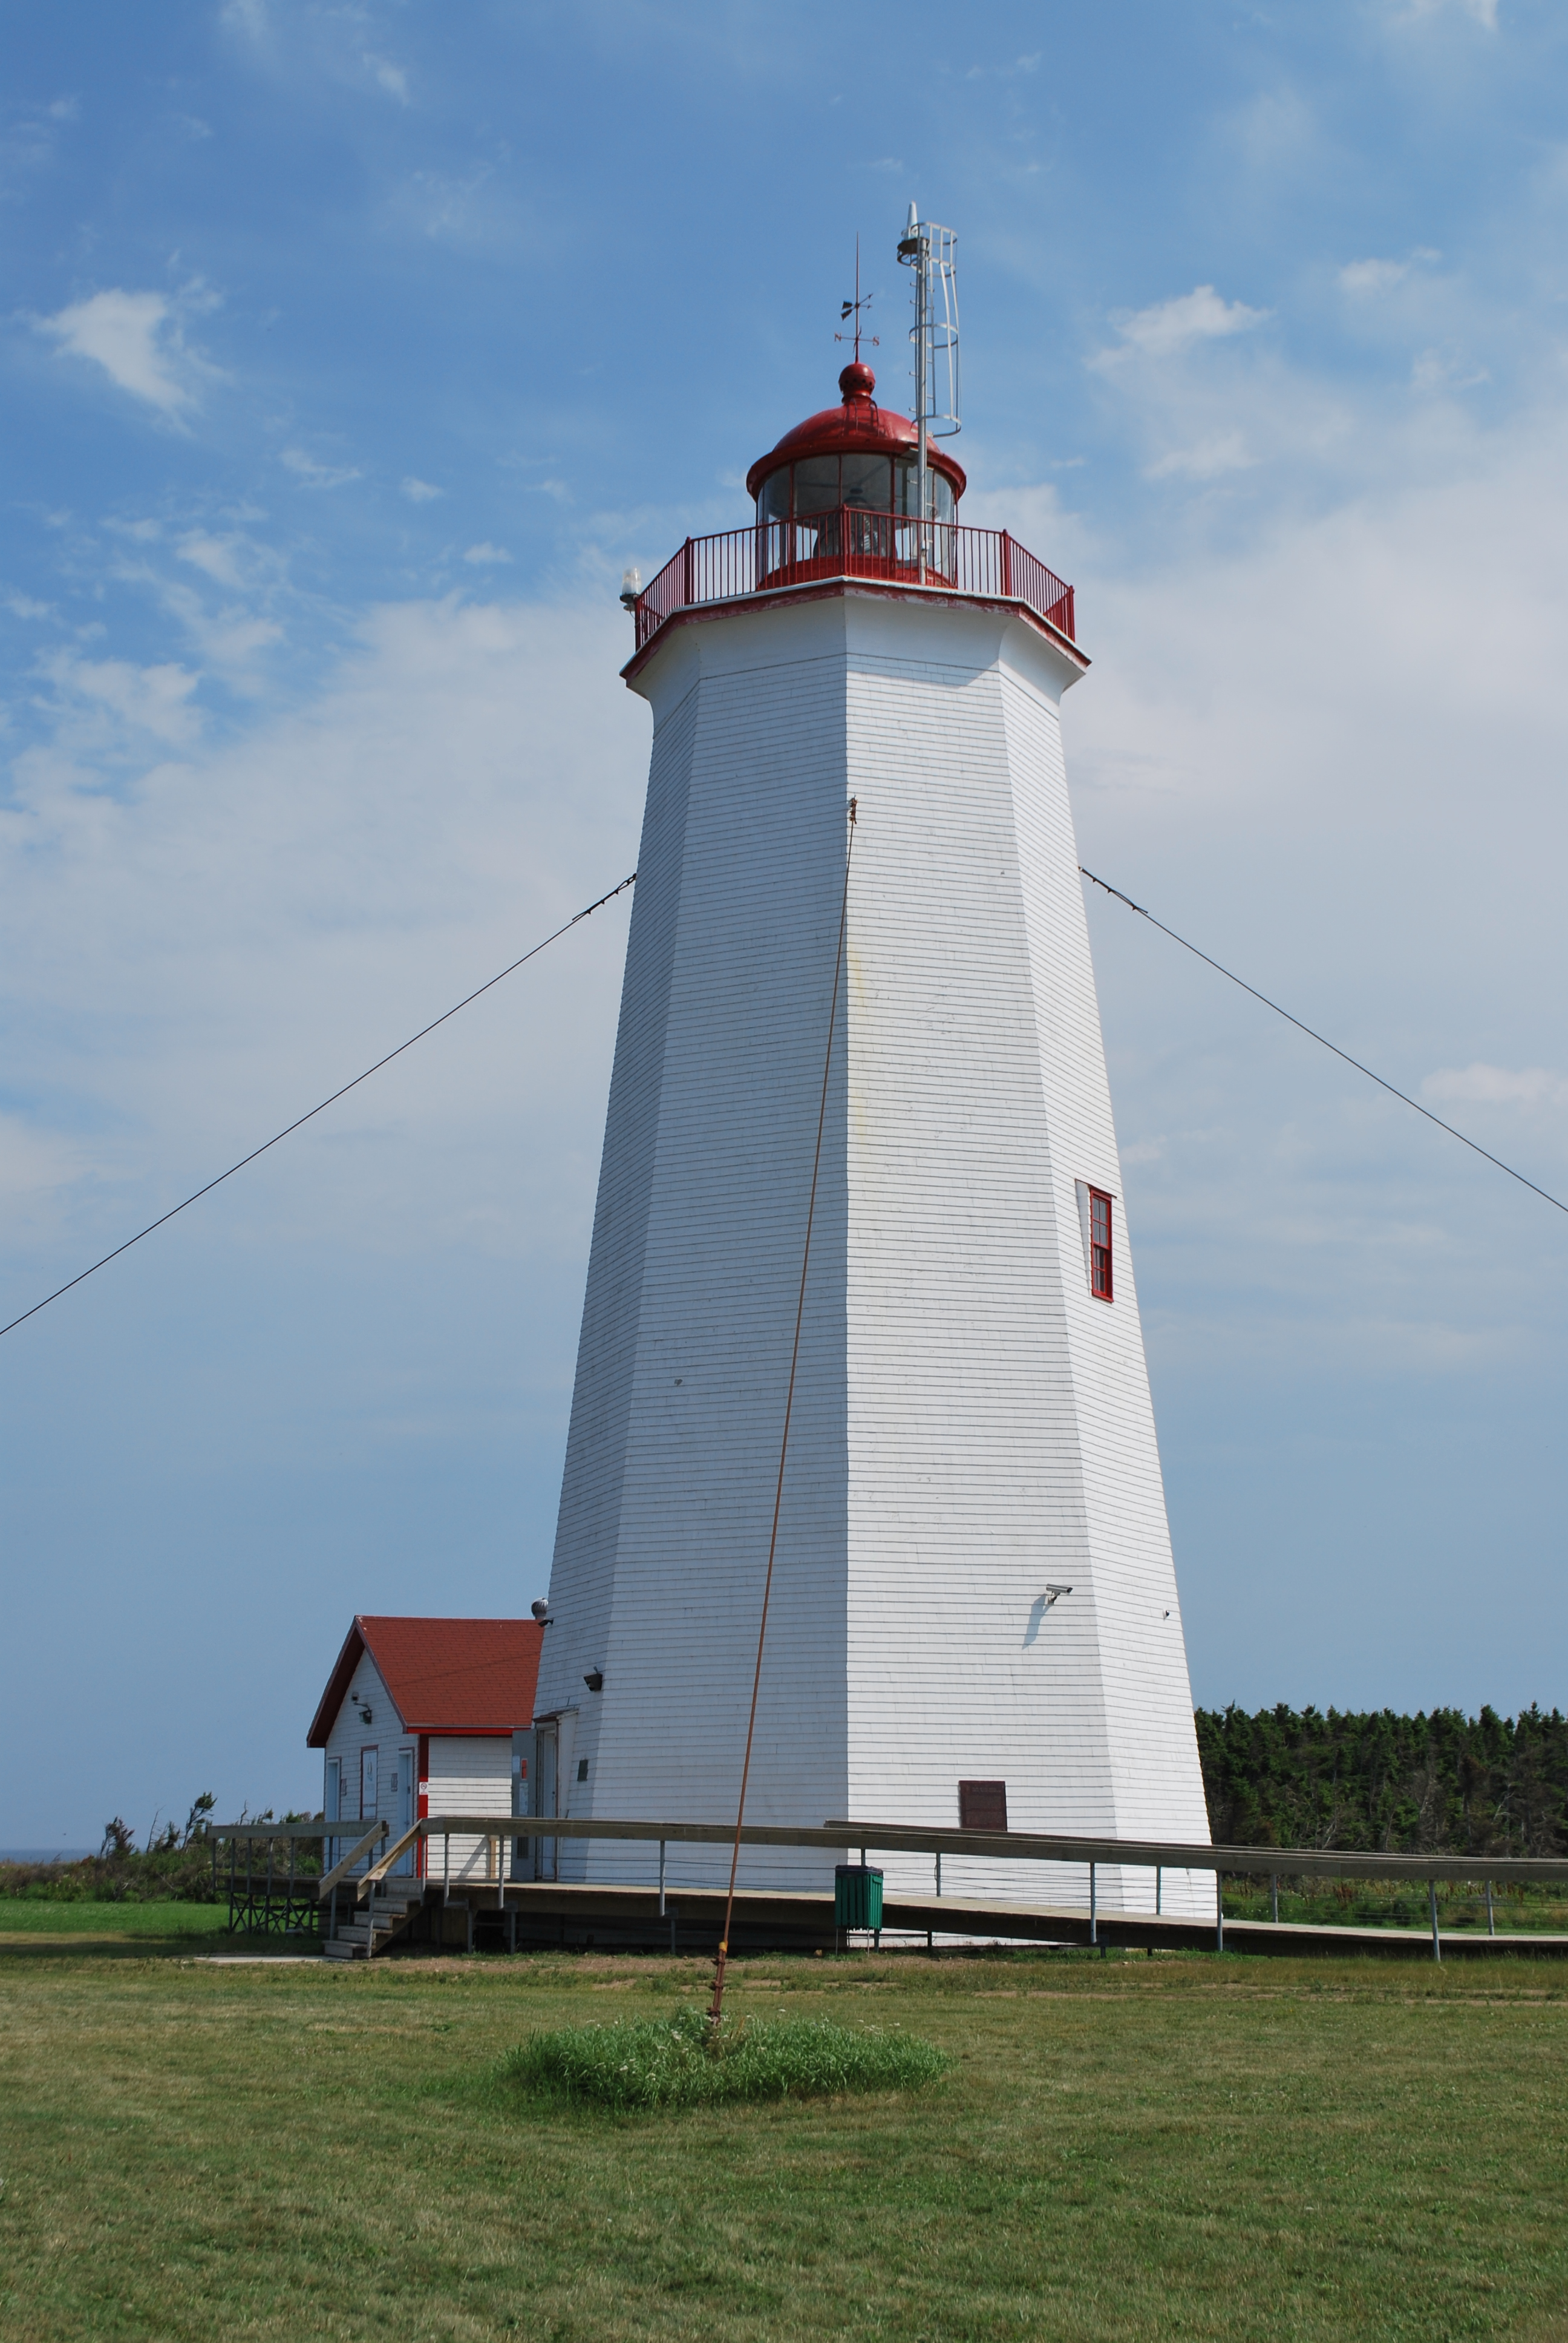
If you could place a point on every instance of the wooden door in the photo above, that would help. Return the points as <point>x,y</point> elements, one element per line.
<point>405,1789</point>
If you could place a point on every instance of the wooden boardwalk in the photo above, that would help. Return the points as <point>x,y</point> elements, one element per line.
<point>432,1907</point>
<point>606,1917</point>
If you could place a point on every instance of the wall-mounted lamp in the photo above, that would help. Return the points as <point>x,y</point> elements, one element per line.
<point>365,1712</point>
<point>595,1680</point>
<point>541,1611</point>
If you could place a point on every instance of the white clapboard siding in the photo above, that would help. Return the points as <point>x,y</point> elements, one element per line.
<point>469,1774</point>
<point>969,1424</point>
<point>350,1736</point>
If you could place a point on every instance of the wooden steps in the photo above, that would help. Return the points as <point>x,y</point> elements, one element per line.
<point>374,1924</point>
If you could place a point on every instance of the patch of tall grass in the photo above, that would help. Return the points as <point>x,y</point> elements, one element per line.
<point>679,2062</point>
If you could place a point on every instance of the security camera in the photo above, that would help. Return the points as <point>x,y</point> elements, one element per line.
<point>1054,1594</point>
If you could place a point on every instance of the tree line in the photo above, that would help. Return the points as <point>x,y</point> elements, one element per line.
<point>1433,1783</point>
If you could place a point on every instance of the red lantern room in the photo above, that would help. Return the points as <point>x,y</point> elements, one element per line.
<point>858,457</point>
<point>838,499</point>
<point>844,486</point>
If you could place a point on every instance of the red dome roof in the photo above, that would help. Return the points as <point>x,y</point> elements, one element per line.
<point>858,427</point>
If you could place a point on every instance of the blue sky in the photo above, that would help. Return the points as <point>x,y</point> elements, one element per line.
<point>349,353</point>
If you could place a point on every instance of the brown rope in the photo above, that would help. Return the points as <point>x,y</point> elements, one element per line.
<point>716,2006</point>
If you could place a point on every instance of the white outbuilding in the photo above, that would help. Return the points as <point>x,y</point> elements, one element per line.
<point>418,1718</point>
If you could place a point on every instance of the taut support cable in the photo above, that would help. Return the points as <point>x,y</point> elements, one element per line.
<point>1403,1097</point>
<point>532,954</point>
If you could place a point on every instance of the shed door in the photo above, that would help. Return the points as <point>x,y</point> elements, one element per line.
<point>525,1771</point>
<point>368,1806</point>
<point>545,1796</point>
<point>406,1807</point>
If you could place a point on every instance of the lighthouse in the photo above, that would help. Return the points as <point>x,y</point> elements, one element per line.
<point>974,1617</point>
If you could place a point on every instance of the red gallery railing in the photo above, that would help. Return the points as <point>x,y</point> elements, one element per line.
<point>852,543</point>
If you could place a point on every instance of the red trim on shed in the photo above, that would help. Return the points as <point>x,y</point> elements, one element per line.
<point>422,1807</point>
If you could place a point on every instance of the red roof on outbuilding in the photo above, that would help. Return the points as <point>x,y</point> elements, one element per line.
<point>444,1675</point>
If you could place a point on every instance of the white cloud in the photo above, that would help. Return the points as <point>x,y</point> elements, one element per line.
<point>23,605</point>
<point>484,555</point>
<point>313,474</point>
<point>1480,12</point>
<point>154,700</point>
<point>136,338</point>
<point>1366,280</point>
<point>389,78</point>
<point>1200,316</point>
<point>419,492</point>
<point>232,639</point>
<point>215,555</point>
<point>1439,370</point>
<point>254,952</point>
<point>248,17</point>
<point>1363,277</point>
<point>34,1161</point>
<point>1484,1085</point>
<point>1024,65</point>
<point>1225,451</point>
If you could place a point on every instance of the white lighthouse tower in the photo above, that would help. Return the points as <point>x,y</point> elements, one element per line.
<point>973,1599</point>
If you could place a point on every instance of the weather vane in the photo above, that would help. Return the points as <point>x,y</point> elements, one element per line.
<point>853,308</point>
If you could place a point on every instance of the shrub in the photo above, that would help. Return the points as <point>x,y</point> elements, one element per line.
<point>680,2063</point>
<point>175,1866</point>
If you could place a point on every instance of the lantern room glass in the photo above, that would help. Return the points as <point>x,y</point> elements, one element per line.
<point>773,501</point>
<point>819,484</point>
<point>939,502</point>
<point>865,482</point>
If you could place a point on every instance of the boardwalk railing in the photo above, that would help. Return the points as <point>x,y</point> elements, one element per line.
<point>894,548</point>
<point>1271,1863</point>
<point>275,1892</point>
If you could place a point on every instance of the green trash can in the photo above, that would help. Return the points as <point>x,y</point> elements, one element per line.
<point>857,1897</point>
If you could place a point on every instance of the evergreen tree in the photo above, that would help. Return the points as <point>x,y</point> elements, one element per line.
<point>1425,1784</point>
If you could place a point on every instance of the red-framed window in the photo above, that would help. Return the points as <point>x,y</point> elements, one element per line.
<point>1101,1273</point>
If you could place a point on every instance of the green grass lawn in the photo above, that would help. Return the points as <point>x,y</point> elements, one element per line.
<point>28,1924</point>
<point>1184,2147</point>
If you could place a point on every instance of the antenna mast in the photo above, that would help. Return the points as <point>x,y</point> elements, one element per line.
<point>929,249</point>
